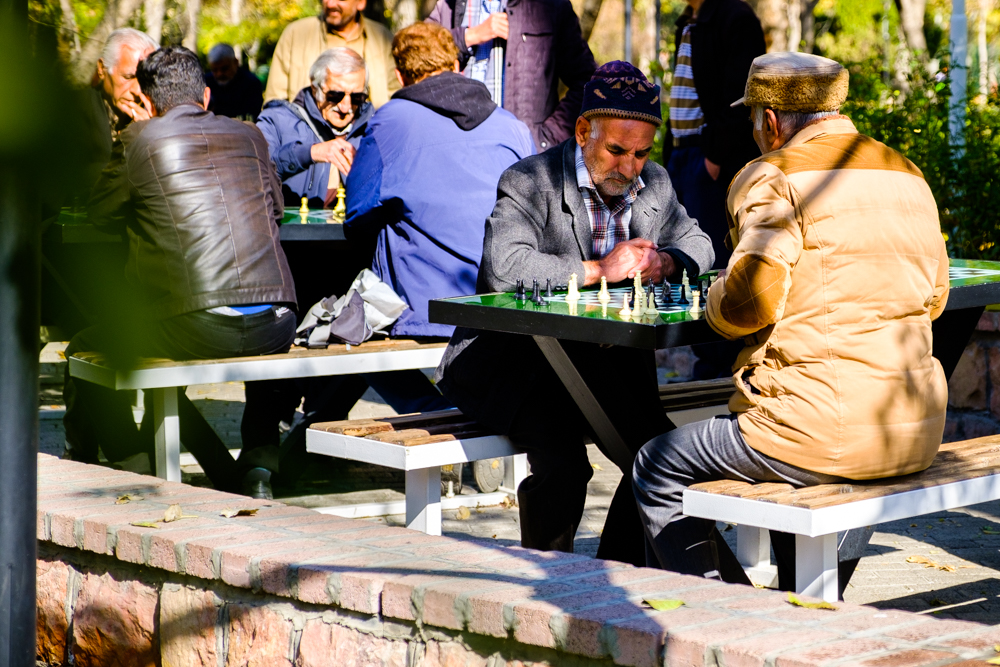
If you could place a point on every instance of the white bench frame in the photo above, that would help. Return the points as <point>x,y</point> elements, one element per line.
<point>422,466</point>
<point>164,380</point>
<point>816,530</point>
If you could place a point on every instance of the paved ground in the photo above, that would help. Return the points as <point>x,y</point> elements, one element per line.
<point>966,540</point>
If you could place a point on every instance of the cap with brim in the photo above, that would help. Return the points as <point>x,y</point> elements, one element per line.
<point>798,82</point>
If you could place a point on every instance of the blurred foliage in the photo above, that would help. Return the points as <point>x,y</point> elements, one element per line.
<point>263,20</point>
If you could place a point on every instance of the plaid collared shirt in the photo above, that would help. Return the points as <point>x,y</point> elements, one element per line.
<point>608,225</point>
<point>480,65</point>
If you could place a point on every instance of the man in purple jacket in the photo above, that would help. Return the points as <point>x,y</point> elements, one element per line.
<point>521,50</point>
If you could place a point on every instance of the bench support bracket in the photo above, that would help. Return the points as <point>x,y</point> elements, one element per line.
<point>753,550</point>
<point>423,500</point>
<point>166,425</point>
<point>816,566</point>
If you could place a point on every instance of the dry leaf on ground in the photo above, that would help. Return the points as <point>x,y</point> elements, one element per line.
<point>145,524</point>
<point>596,466</point>
<point>664,605</point>
<point>230,513</point>
<point>927,562</point>
<point>990,531</point>
<point>463,513</point>
<point>126,498</point>
<point>798,602</point>
<point>175,513</point>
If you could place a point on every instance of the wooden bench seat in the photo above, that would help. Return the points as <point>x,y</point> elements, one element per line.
<point>964,473</point>
<point>420,445</point>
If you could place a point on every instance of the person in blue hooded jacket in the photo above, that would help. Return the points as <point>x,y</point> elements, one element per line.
<point>425,177</point>
<point>320,129</point>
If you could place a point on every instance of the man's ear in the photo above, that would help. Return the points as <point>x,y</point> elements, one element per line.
<point>582,130</point>
<point>361,5</point>
<point>206,98</point>
<point>102,71</point>
<point>400,78</point>
<point>455,67</point>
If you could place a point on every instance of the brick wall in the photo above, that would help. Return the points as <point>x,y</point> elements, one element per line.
<point>288,586</point>
<point>974,389</point>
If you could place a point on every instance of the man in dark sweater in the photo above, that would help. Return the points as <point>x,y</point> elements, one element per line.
<point>200,201</point>
<point>235,91</point>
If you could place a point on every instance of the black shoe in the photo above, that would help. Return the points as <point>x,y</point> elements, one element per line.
<point>257,484</point>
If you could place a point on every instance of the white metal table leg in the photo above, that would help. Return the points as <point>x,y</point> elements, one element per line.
<point>816,566</point>
<point>166,425</point>
<point>753,551</point>
<point>515,469</point>
<point>423,500</point>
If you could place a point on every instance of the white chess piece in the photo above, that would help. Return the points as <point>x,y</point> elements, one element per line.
<point>625,313</point>
<point>696,302</point>
<point>604,297</point>
<point>572,292</point>
<point>651,311</point>
<point>685,285</point>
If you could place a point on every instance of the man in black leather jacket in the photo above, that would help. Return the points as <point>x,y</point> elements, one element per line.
<point>200,201</point>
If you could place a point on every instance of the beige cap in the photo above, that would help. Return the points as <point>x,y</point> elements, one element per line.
<point>795,82</point>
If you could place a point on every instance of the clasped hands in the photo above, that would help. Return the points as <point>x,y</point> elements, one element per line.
<point>626,259</point>
<point>337,152</point>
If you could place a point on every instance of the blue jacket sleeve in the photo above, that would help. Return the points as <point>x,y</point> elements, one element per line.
<point>364,191</point>
<point>289,157</point>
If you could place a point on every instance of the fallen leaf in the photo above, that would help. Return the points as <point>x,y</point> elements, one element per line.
<point>913,525</point>
<point>990,531</point>
<point>495,463</point>
<point>506,503</point>
<point>230,513</point>
<point>993,661</point>
<point>126,498</point>
<point>927,562</point>
<point>798,602</point>
<point>463,513</point>
<point>145,524</point>
<point>664,605</point>
<point>596,466</point>
<point>175,513</point>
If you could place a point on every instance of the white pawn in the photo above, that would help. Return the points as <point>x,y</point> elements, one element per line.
<point>651,311</point>
<point>604,297</point>
<point>572,291</point>
<point>625,313</point>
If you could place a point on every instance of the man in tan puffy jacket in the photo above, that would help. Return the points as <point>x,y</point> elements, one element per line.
<point>838,268</point>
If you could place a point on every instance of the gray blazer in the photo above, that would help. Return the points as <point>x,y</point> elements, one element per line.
<point>540,229</point>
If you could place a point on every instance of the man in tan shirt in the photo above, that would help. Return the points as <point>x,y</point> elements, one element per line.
<point>837,271</point>
<point>339,24</point>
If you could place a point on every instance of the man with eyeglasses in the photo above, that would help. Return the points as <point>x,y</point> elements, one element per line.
<point>313,139</point>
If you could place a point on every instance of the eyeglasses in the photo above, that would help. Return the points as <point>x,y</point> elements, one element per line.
<point>335,96</point>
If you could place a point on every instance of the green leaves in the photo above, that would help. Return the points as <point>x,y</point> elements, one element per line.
<point>664,605</point>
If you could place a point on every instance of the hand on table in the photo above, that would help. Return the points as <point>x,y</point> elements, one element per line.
<point>337,152</point>
<point>495,25</point>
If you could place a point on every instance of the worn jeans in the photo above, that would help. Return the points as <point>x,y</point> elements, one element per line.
<point>100,418</point>
<point>705,451</point>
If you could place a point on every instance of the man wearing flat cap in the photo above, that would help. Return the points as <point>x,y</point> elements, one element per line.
<point>594,206</point>
<point>838,268</point>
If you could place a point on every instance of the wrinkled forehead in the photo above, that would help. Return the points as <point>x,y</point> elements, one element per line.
<point>626,133</point>
<point>352,82</point>
<point>128,59</point>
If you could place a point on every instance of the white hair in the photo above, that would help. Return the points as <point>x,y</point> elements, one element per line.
<point>220,52</point>
<point>336,61</point>
<point>139,41</point>
<point>790,121</point>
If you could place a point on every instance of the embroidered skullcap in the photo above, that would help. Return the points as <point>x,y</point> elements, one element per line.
<point>621,90</point>
<point>798,82</point>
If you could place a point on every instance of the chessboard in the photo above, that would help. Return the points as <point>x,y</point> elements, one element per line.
<point>966,272</point>
<point>589,298</point>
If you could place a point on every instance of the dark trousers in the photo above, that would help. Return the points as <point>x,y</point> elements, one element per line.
<point>706,451</point>
<point>705,201</point>
<point>100,418</point>
<point>550,429</point>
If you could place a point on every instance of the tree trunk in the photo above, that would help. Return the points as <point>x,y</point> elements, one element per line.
<point>794,25</point>
<point>808,19</point>
<point>981,47</point>
<point>116,14</point>
<point>588,17</point>
<point>773,15</point>
<point>153,11</point>
<point>192,11</point>
<point>69,29</point>
<point>911,19</point>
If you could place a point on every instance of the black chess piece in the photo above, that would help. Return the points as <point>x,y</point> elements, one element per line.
<point>534,287</point>
<point>536,294</point>
<point>683,300</point>
<point>519,291</point>
<point>631,298</point>
<point>548,288</point>
<point>666,298</point>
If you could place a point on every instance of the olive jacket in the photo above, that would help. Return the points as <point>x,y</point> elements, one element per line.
<point>838,269</point>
